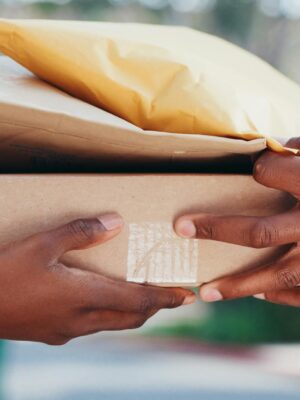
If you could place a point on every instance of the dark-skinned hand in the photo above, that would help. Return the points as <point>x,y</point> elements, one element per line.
<point>44,300</point>
<point>276,282</point>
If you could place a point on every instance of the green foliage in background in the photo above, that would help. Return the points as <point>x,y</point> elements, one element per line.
<point>245,321</point>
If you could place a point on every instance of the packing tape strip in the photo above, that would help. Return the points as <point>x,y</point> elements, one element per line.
<point>157,255</point>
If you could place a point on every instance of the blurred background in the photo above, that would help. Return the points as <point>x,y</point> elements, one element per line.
<point>269,28</point>
<point>238,350</point>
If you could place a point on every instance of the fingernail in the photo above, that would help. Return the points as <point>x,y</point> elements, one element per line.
<point>190,299</point>
<point>211,294</point>
<point>111,221</point>
<point>260,296</point>
<point>185,228</point>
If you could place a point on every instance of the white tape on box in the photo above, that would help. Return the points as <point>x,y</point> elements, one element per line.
<point>157,255</point>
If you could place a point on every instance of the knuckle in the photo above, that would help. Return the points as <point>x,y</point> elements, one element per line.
<point>174,301</point>
<point>286,278</point>
<point>146,304</point>
<point>205,229</point>
<point>262,235</point>
<point>56,268</point>
<point>82,230</point>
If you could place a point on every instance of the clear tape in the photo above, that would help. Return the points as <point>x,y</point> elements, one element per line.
<point>157,255</point>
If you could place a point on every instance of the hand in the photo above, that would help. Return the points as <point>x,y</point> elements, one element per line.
<point>43,300</point>
<point>276,282</point>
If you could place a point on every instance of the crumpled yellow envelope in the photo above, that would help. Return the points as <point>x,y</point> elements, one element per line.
<point>169,79</point>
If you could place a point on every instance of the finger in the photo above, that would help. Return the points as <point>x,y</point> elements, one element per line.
<point>97,321</point>
<point>289,297</point>
<point>257,232</point>
<point>278,171</point>
<point>281,275</point>
<point>104,293</point>
<point>107,320</point>
<point>293,143</point>
<point>80,234</point>
<point>147,298</point>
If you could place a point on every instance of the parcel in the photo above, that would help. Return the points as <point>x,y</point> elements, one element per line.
<point>158,78</point>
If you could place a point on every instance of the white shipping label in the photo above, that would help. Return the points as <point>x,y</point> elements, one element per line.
<point>157,255</point>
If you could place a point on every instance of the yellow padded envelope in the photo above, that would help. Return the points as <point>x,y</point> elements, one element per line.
<point>169,79</point>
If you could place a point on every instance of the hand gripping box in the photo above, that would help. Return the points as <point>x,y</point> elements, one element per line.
<point>147,250</point>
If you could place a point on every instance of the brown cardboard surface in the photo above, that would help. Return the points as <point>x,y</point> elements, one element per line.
<point>44,129</point>
<point>31,203</point>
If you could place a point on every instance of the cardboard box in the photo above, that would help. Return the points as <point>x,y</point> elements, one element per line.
<point>146,250</point>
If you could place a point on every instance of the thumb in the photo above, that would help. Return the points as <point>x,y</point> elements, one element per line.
<point>83,233</point>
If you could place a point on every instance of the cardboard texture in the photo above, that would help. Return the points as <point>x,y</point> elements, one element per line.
<point>44,129</point>
<point>146,250</point>
<point>170,79</point>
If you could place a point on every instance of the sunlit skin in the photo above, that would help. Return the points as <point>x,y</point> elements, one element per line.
<point>44,300</point>
<point>276,282</point>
